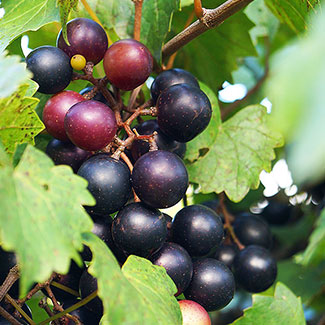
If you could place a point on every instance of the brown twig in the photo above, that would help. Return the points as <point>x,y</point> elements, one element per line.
<point>137,19</point>
<point>19,309</point>
<point>10,318</point>
<point>11,278</point>
<point>43,304</point>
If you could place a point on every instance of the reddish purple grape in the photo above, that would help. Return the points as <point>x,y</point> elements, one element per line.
<point>86,37</point>
<point>193,313</point>
<point>127,64</point>
<point>55,110</point>
<point>90,125</point>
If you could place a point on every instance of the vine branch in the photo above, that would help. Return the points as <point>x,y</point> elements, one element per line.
<point>137,19</point>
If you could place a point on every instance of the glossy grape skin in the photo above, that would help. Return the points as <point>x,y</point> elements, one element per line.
<point>55,110</point>
<point>108,182</point>
<point>212,285</point>
<point>277,213</point>
<point>198,229</point>
<point>51,69</point>
<point>226,254</point>
<point>255,268</point>
<point>127,64</point>
<point>140,147</point>
<point>90,125</point>
<point>86,37</point>
<point>169,78</point>
<point>193,313</point>
<point>183,112</point>
<point>160,179</point>
<point>177,262</point>
<point>138,229</point>
<point>252,230</point>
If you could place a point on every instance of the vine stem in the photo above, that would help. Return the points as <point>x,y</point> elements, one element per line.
<point>11,278</point>
<point>211,18</point>
<point>19,309</point>
<point>198,9</point>
<point>7,316</point>
<point>137,19</point>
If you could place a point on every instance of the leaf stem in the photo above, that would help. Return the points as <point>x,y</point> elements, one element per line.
<point>137,19</point>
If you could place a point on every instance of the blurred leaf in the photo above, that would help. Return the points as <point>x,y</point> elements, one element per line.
<point>65,7</point>
<point>240,151</point>
<point>23,16</point>
<point>32,213</point>
<point>32,89</point>
<point>19,122</point>
<point>185,3</point>
<point>140,293</point>
<point>283,308</point>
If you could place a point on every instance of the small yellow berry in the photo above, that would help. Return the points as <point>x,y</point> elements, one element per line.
<point>78,62</point>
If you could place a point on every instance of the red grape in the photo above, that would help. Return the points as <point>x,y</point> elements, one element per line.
<point>193,313</point>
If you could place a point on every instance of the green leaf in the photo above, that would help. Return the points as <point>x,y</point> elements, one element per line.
<point>13,73</point>
<point>315,251</point>
<point>35,222</point>
<point>65,7</point>
<point>19,122</point>
<point>23,16</point>
<point>141,293</point>
<point>282,308</point>
<point>240,151</point>
<point>294,13</point>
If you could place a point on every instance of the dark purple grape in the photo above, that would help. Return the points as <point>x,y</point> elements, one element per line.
<point>55,110</point>
<point>183,112</point>
<point>7,261</point>
<point>140,147</point>
<point>198,229</point>
<point>252,230</point>
<point>255,268</point>
<point>226,254</point>
<point>277,213</point>
<point>138,229</point>
<point>108,182</point>
<point>169,78</point>
<point>160,179</point>
<point>51,69</point>
<point>127,64</point>
<point>212,285</point>
<point>86,37</point>
<point>90,125</point>
<point>66,153</point>
<point>178,264</point>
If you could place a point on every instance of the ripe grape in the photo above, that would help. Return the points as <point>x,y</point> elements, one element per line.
<point>193,313</point>
<point>127,64</point>
<point>160,178</point>
<point>55,110</point>
<point>169,78</point>
<point>183,112</point>
<point>177,262</point>
<point>226,254</point>
<point>198,229</point>
<point>212,285</point>
<point>255,268</point>
<point>86,37</point>
<point>138,229</point>
<point>277,213</point>
<point>108,182</point>
<point>90,125</point>
<point>51,69</point>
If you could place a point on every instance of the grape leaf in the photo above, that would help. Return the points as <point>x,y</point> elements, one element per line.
<point>41,216</point>
<point>19,122</point>
<point>242,148</point>
<point>282,308</point>
<point>141,293</point>
<point>315,251</point>
<point>13,73</point>
<point>23,16</point>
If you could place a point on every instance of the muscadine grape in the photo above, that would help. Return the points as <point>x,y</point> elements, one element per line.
<point>193,313</point>
<point>51,69</point>
<point>55,110</point>
<point>90,125</point>
<point>86,38</point>
<point>78,62</point>
<point>277,213</point>
<point>127,64</point>
<point>226,254</point>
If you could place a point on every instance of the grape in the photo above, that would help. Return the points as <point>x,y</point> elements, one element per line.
<point>183,112</point>
<point>138,229</point>
<point>55,110</point>
<point>78,62</point>
<point>90,125</point>
<point>160,179</point>
<point>140,147</point>
<point>252,230</point>
<point>127,64</point>
<point>226,254</point>
<point>277,213</point>
<point>198,229</point>
<point>108,182</point>
<point>212,285</point>
<point>86,37</point>
<point>193,313</point>
<point>178,264</point>
<point>169,78</point>
<point>66,153</point>
<point>51,69</point>
<point>255,268</point>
